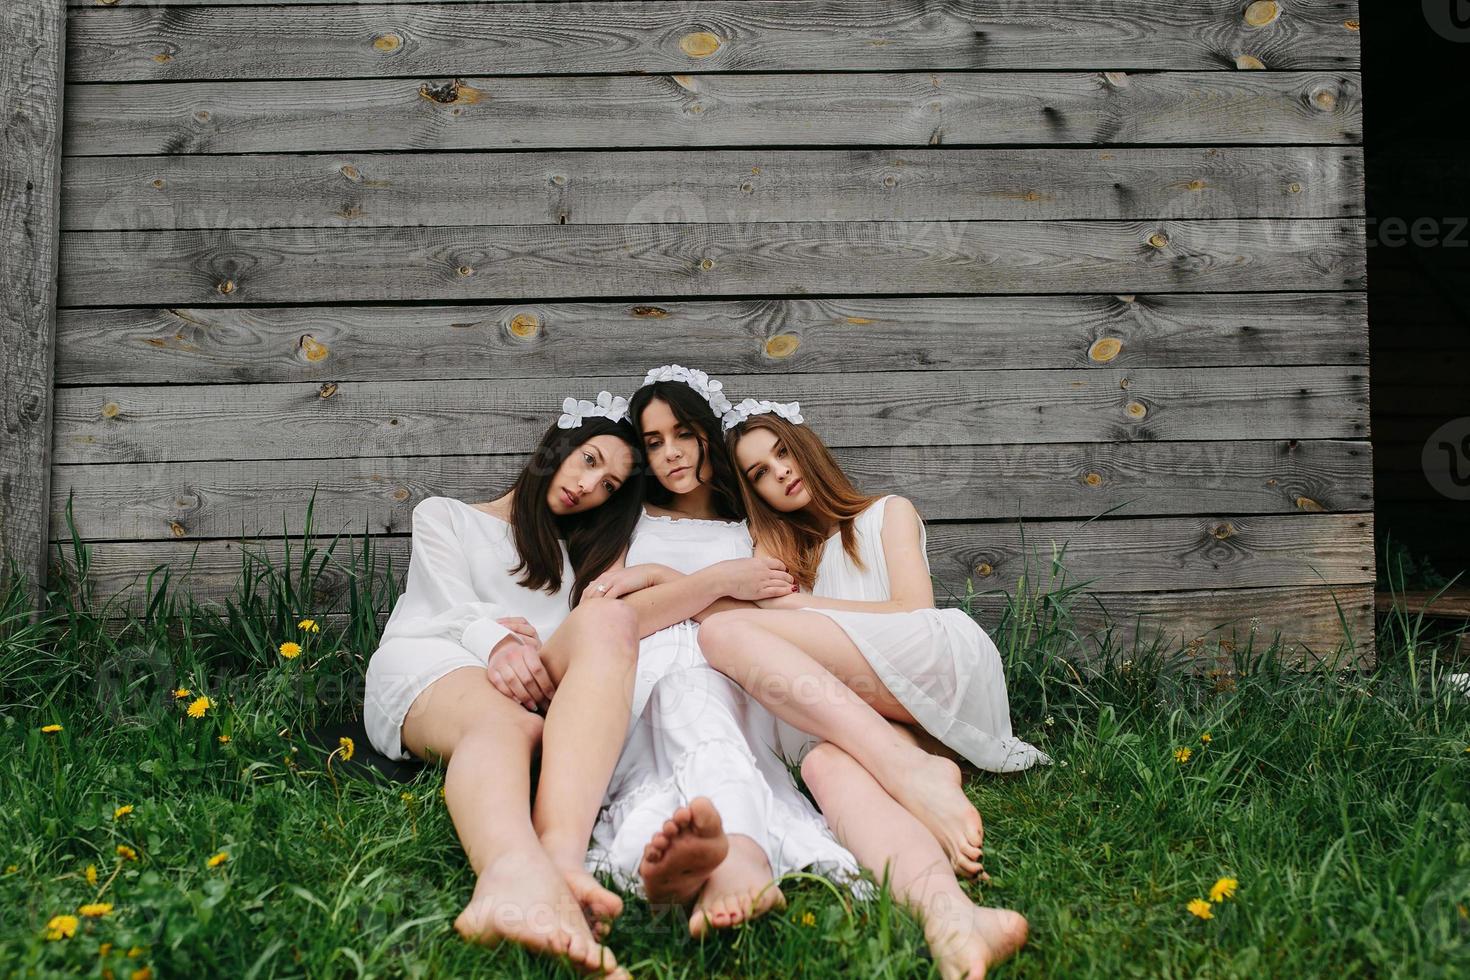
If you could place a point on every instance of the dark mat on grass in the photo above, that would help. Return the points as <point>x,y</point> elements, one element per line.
<point>366,762</point>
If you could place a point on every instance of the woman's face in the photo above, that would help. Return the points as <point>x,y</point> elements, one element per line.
<point>589,475</point>
<point>771,470</point>
<point>673,449</point>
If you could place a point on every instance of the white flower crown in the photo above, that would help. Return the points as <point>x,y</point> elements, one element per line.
<point>614,408</point>
<point>710,390</point>
<point>790,411</point>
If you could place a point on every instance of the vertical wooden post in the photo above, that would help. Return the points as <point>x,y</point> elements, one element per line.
<point>32,76</point>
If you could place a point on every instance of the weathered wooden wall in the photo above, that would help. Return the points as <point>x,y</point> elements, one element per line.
<point>1030,261</point>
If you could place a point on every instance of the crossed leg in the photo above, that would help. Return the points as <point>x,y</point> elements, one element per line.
<point>964,938</point>
<point>806,670</point>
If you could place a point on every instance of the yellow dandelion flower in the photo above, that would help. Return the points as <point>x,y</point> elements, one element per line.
<point>181,692</point>
<point>104,949</point>
<point>218,859</point>
<point>91,874</point>
<point>1201,909</point>
<point>290,650</point>
<point>126,853</point>
<point>1206,738</point>
<point>122,811</point>
<point>406,796</point>
<point>11,869</point>
<point>61,927</point>
<point>1223,889</point>
<point>346,747</point>
<point>1181,756</point>
<point>199,705</point>
<point>143,973</point>
<point>808,919</point>
<point>310,625</point>
<point>96,910</point>
<point>135,952</point>
<point>50,729</point>
<point>224,738</point>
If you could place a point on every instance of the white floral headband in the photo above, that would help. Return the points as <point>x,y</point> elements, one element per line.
<point>790,411</point>
<point>613,408</point>
<point>710,390</point>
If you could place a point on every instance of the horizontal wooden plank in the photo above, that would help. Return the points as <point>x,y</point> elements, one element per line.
<point>194,500</point>
<point>937,408</point>
<point>1433,604</point>
<point>1309,621</point>
<point>120,268</point>
<point>909,109</point>
<point>704,186</point>
<point>143,345</point>
<point>1124,555</point>
<point>149,43</point>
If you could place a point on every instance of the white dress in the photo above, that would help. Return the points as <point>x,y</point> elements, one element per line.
<point>938,662</point>
<point>694,732</point>
<point>459,583</point>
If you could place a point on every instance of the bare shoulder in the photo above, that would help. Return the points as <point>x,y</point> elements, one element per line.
<point>900,512</point>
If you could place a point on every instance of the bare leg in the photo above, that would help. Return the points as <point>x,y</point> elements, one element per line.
<point>785,661</point>
<point>591,658</point>
<point>741,888</point>
<point>964,938</point>
<point>486,741</point>
<point>683,854</point>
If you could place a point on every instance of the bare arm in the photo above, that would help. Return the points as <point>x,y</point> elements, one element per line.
<point>662,596</point>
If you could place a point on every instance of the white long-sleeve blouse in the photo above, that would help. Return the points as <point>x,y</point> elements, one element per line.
<point>460,581</point>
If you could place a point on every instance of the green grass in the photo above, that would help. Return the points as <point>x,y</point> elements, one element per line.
<point>1340,800</point>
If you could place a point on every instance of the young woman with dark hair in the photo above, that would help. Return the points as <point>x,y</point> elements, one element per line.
<point>484,634</point>
<point>700,810</point>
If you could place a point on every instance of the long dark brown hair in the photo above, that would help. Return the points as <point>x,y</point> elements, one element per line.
<point>594,538</point>
<point>690,408</point>
<point>799,538</point>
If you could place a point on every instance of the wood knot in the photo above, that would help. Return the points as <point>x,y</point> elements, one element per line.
<point>525,325</point>
<point>400,494</point>
<point>1249,62</point>
<point>227,287</point>
<point>782,345</point>
<point>387,42</point>
<point>558,179</point>
<point>202,115</point>
<point>327,390</point>
<point>650,312</point>
<point>1325,99</point>
<point>312,349</point>
<point>1136,410</point>
<point>110,410</point>
<point>1351,25</point>
<point>706,264</point>
<point>1104,349</point>
<point>160,183</point>
<point>984,569</point>
<point>889,180</point>
<point>1307,503</point>
<point>176,529</point>
<point>351,173</point>
<point>1196,185</point>
<point>1117,79</point>
<point>450,93</point>
<point>1293,188</point>
<point>465,270</point>
<point>1262,12</point>
<point>1158,239</point>
<point>1223,530</point>
<point>1093,479</point>
<point>700,44</point>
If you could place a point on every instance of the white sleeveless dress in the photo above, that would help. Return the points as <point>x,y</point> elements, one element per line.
<point>460,582</point>
<point>938,662</point>
<point>694,732</point>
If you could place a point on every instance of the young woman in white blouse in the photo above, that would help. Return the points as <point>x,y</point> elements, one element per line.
<point>484,634</point>
<point>876,655</point>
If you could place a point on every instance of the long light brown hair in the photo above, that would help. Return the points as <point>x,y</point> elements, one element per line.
<point>798,538</point>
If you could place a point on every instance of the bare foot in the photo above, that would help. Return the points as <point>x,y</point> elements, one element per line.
<point>599,905</point>
<point>680,858</point>
<point>971,940</point>
<point>521,897</point>
<point>931,790</point>
<point>739,890</point>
